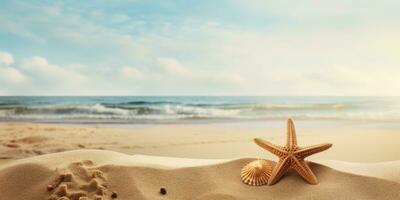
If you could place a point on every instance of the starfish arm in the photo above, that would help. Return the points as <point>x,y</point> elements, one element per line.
<point>276,150</point>
<point>279,169</point>
<point>308,151</point>
<point>291,138</point>
<point>304,170</point>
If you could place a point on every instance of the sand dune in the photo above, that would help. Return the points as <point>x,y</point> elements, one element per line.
<point>97,174</point>
<point>386,170</point>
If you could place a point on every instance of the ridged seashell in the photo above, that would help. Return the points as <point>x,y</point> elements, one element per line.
<point>256,173</point>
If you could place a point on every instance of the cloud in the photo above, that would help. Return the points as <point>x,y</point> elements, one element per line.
<point>11,75</point>
<point>366,79</point>
<point>253,48</point>
<point>8,73</point>
<point>132,73</point>
<point>175,69</point>
<point>6,59</point>
<point>39,67</point>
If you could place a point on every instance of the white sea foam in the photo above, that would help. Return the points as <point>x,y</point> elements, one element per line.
<point>164,109</point>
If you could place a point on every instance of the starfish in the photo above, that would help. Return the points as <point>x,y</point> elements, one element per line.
<point>292,156</point>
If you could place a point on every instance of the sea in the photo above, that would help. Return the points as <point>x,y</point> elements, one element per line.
<point>194,109</point>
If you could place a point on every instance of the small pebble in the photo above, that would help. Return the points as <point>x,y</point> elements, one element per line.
<point>114,195</point>
<point>163,191</point>
<point>50,188</point>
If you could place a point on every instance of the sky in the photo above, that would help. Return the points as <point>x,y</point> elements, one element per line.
<point>208,47</point>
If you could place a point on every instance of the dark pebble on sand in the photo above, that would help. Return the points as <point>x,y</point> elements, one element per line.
<point>114,195</point>
<point>163,191</point>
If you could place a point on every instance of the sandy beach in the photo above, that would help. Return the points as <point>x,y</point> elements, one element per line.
<point>200,161</point>
<point>352,142</point>
<point>199,100</point>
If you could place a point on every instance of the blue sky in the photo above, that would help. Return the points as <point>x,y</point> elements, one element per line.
<point>235,47</point>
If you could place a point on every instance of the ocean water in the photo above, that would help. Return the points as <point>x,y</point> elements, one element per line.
<point>183,109</point>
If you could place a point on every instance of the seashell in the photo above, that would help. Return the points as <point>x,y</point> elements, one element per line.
<point>256,173</point>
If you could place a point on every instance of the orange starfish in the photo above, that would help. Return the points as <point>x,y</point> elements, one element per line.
<point>292,156</point>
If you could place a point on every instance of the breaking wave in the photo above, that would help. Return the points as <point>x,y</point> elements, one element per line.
<point>167,110</point>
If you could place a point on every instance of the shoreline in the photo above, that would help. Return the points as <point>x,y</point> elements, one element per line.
<point>262,123</point>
